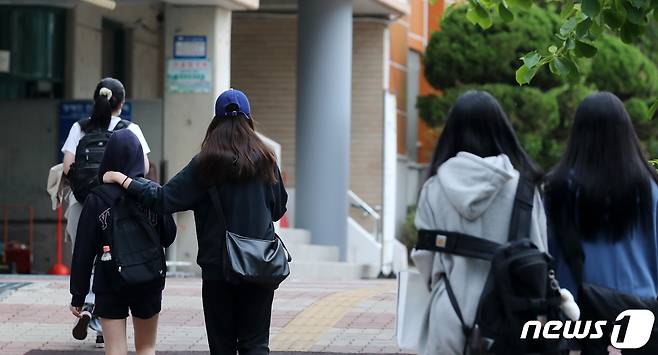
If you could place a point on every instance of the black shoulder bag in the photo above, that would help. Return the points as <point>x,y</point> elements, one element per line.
<point>599,303</point>
<point>258,261</point>
<point>520,286</point>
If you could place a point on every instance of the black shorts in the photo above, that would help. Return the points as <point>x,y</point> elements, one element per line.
<point>116,306</point>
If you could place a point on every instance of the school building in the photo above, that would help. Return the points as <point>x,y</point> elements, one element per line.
<point>332,83</point>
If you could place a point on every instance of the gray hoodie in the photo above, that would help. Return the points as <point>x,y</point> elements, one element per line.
<point>471,195</point>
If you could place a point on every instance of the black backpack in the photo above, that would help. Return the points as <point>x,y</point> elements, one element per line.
<point>134,240</point>
<point>83,174</point>
<point>521,284</point>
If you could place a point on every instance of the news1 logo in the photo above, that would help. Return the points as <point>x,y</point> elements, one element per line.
<point>632,329</point>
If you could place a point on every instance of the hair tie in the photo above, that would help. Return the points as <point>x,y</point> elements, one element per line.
<point>105,92</point>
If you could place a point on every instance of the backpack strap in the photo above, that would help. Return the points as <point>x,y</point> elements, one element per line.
<point>455,305</point>
<point>519,227</point>
<point>456,243</point>
<point>122,124</point>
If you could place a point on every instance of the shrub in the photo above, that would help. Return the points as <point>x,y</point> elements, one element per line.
<point>409,235</point>
<point>623,70</point>
<point>638,109</point>
<point>462,53</point>
<point>568,97</point>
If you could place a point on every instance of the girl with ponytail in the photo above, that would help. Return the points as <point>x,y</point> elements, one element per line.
<point>109,97</point>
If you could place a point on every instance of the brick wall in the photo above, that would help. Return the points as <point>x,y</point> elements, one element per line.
<point>263,64</point>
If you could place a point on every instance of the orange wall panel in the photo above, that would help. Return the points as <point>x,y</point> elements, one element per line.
<point>398,32</point>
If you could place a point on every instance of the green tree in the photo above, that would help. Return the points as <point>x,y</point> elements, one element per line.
<point>462,57</point>
<point>624,70</point>
<point>472,55</point>
<point>583,23</point>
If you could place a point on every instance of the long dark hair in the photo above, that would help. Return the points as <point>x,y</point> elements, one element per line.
<point>101,113</point>
<point>231,151</point>
<point>478,125</point>
<point>602,186</point>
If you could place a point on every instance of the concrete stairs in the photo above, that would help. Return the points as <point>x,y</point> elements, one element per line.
<point>317,262</point>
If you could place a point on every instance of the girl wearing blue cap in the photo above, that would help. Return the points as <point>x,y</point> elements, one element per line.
<point>235,161</point>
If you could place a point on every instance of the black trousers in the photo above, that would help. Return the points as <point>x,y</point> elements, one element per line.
<point>237,318</point>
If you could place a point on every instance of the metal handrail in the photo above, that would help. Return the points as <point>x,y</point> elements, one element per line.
<point>358,202</point>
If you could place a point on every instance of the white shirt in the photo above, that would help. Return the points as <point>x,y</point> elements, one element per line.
<point>76,133</point>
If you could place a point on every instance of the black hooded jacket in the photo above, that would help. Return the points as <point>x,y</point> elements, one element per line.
<point>123,153</point>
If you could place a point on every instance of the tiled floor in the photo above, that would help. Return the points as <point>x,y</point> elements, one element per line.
<point>343,317</point>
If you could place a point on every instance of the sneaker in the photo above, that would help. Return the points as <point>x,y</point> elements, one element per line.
<point>80,329</point>
<point>100,342</point>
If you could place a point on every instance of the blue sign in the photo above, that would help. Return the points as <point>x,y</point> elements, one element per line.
<point>190,47</point>
<point>73,111</point>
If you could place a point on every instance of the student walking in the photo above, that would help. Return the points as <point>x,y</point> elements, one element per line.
<point>601,203</point>
<point>114,232</point>
<point>239,172</point>
<point>471,189</point>
<point>109,97</point>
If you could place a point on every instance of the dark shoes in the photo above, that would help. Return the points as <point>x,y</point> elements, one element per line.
<point>100,342</point>
<point>80,329</point>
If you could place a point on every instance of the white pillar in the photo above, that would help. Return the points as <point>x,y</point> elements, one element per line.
<point>187,115</point>
<point>324,85</point>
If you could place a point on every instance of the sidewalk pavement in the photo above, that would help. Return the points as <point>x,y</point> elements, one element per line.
<point>313,316</point>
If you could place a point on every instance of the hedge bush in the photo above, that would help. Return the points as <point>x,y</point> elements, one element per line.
<point>462,56</point>
<point>462,53</point>
<point>624,70</point>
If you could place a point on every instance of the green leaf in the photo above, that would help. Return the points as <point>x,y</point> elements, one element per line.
<point>477,14</point>
<point>639,3</point>
<point>571,44</point>
<point>560,67</point>
<point>653,108</point>
<point>631,31</point>
<point>591,8</point>
<point>524,74</point>
<point>567,9</point>
<point>505,13</point>
<point>524,4</point>
<point>635,15</point>
<point>583,27</point>
<point>552,49</point>
<point>585,49</point>
<point>595,29</point>
<point>531,59</point>
<point>655,14</point>
<point>613,18</point>
<point>568,26</point>
<point>553,67</point>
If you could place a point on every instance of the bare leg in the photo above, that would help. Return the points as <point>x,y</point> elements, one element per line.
<point>114,332</point>
<point>146,331</point>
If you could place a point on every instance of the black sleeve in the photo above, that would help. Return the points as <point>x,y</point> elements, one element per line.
<point>167,229</point>
<point>87,245</point>
<point>280,197</point>
<point>181,193</point>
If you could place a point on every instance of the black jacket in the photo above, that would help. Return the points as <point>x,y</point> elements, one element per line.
<point>250,208</point>
<point>123,153</point>
<point>94,225</point>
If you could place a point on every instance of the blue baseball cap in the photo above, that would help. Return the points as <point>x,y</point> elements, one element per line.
<point>235,98</point>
